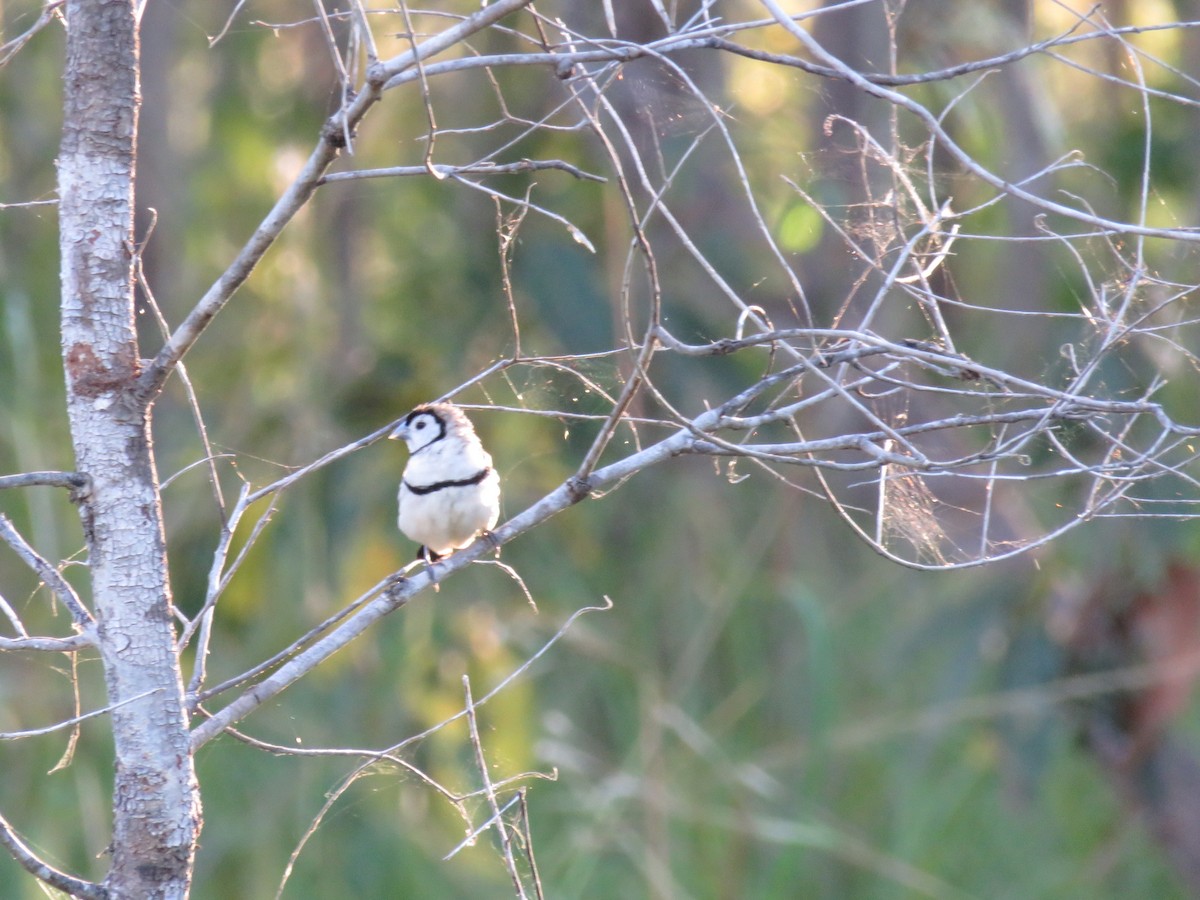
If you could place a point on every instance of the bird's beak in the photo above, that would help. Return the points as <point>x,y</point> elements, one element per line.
<point>398,433</point>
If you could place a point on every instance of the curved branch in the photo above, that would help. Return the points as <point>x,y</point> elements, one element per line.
<point>50,575</point>
<point>935,128</point>
<point>334,135</point>
<point>11,48</point>
<point>43,871</point>
<point>563,58</point>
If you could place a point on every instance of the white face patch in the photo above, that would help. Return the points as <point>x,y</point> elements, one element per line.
<point>423,430</point>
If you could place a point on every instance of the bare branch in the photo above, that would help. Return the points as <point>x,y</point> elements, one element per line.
<point>230,714</point>
<point>364,30</point>
<point>13,618</point>
<point>75,887</point>
<point>74,720</point>
<point>73,481</point>
<point>943,137</point>
<point>51,576</point>
<point>331,142</point>
<point>214,39</point>
<point>9,49</point>
<point>480,168</point>
<point>50,644</point>
<point>490,792</point>
<point>288,652</point>
<point>28,204</point>
<point>306,660</point>
<point>497,818</point>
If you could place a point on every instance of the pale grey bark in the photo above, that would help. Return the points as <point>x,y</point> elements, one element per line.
<point>156,815</point>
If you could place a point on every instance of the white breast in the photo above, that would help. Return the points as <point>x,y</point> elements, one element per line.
<point>451,517</point>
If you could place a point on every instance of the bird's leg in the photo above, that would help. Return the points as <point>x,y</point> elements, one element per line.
<point>429,557</point>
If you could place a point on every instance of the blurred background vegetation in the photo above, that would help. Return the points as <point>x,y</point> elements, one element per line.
<point>769,709</point>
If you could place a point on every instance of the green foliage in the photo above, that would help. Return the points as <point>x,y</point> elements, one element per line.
<point>769,710</point>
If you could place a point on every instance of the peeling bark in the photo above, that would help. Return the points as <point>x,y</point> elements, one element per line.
<point>156,816</point>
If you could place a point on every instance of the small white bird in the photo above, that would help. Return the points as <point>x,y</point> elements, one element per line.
<point>449,493</point>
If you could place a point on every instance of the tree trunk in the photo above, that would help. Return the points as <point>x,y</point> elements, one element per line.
<point>156,809</point>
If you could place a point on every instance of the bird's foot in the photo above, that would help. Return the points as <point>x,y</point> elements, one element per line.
<point>492,541</point>
<point>429,557</point>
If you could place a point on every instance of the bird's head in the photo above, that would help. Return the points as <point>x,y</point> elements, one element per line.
<point>422,427</point>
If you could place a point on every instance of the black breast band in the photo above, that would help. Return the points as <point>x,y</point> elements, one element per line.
<point>439,485</point>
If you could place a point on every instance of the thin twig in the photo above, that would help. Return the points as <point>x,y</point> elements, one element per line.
<point>28,204</point>
<point>9,49</point>
<point>497,818</point>
<point>527,836</point>
<point>261,692</point>
<point>68,753</point>
<point>490,791</point>
<point>442,170</point>
<point>426,99</point>
<point>52,578</point>
<point>210,457</point>
<point>74,720</point>
<point>298,193</point>
<point>943,137</point>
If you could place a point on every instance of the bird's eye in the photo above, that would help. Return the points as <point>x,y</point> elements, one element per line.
<point>420,425</point>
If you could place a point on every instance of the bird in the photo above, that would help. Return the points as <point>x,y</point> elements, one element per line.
<point>450,492</point>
